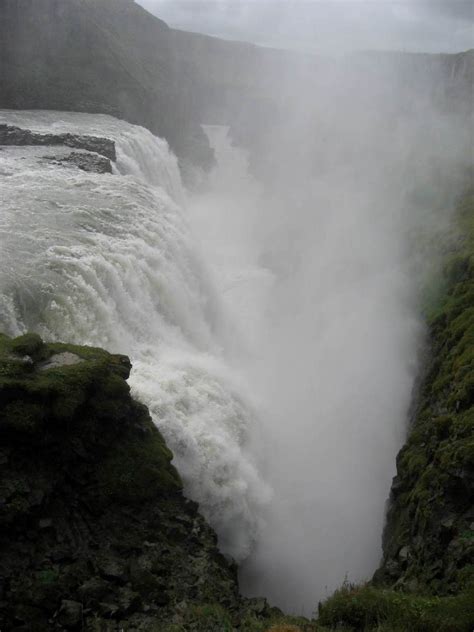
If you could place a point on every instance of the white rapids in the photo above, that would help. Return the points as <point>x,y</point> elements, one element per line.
<point>109,260</point>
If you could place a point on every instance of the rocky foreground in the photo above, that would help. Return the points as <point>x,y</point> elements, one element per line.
<point>95,531</point>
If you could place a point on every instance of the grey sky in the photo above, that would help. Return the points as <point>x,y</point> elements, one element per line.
<point>328,26</point>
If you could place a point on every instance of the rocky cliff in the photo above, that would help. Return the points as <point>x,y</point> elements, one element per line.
<point>95,533</point>
<point>99,56</point>
<point>113,57</point>
<point>429,537</point>
<point>94,529</point>
<point>426,579</point>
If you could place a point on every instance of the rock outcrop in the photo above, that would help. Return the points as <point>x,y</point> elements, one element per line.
<point>16,136</point>
<point>95,533</point>
<point>429,536</point>
<point>84,161</point>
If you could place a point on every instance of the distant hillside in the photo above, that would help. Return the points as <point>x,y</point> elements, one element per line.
<point>97,56</point>
<point>114,57</point>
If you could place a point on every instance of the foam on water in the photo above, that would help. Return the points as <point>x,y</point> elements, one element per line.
<point>109,260</point>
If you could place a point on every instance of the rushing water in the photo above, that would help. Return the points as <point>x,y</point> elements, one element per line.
<point>313,273</point>
<point>109,260</point>
<point>273,334</point>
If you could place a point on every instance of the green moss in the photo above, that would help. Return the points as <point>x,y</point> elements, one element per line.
<point>200,618</point>
<point>443,425</point>
<point>211,617</point>
<point>435,465</point>
<point>280,623</point>
<point>136,471</point>
<point>48,576</point>
<point>29,344</point>
<point>89,400</point>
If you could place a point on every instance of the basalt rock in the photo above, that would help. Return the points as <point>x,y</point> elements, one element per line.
<point>95,533</point>
<point>10,135</point>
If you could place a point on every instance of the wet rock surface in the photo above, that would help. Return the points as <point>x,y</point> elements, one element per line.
<point>84,161</point>
<point>16,136</point>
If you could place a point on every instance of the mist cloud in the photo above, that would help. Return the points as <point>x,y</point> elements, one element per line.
<point>328,26</point>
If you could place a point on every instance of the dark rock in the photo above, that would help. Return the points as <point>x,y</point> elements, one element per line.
<point>427,535</point>
<point>108,610</point>
<point>70,614</point>
<point>93,514</point>
<point>448,523</point>
<point>128,602</point>
<point>15,136</point>
<point>257,605</point>
<point>114,570</point>
<point>94,590</point>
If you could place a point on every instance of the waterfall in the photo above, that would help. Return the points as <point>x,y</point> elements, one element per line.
<point>273,328</point>
<point>110,261</point>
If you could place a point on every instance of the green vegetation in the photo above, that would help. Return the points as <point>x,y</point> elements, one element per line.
<point>208,617</point>
<point>82,398</point>
<point>136,471</point>
<point>66,411</point>
<point>93,523</point>
<point>215,618</point>
<point>431,518</point>
<point>426,580</point>
<point>368,608</point>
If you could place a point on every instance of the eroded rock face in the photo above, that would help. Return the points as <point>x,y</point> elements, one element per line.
<point>16,136</point>
<point>429,536</point>
<point>95,533</point>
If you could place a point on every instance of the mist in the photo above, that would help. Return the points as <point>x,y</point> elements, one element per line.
<point>318,235</point>
<point>327,26</point>
<point>262,251</point>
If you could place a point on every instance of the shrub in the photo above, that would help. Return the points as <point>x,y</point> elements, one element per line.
<point>368,608</point>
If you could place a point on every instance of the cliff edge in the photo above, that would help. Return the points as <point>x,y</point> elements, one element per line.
<point>95,533</point>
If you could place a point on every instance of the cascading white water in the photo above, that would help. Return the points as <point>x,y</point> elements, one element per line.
<point>306,293</point>
<point>319,270</point>
<point>109,260</point>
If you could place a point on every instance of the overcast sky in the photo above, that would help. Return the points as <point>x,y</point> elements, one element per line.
<point>328,26</point>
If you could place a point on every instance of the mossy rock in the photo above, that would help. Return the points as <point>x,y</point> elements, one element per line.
<point>86,399</point>
<point>134,472</point>
<point>29,344</point>
<point>87,487</point>
<point>435,468</point>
